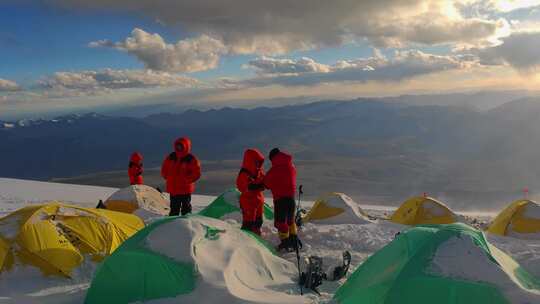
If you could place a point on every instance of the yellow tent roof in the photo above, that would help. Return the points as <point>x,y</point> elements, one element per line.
<point>55,236</point>
<point>522,217</point>
<point>336,208</point>
<point>423,210</point>
<point>136,197</point>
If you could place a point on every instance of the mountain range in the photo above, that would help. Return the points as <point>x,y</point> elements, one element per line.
<point>375,150</point>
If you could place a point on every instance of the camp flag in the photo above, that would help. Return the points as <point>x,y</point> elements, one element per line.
<point>443,264</point>
<point>227,205</point>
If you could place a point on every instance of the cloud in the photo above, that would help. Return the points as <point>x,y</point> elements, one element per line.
<point>186,56</point>
<point>278,27</point>
<point>91,82</point>
<point>268,65</point>
<point>519,50</point>
<point>8,86</point>
<point>307,72</point>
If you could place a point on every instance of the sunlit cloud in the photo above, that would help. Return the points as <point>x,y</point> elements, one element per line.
<point>8,86</point>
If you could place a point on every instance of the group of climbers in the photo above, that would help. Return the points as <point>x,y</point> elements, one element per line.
<point>181,169</point>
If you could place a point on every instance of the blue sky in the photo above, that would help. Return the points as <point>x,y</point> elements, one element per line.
<point>82,54</point>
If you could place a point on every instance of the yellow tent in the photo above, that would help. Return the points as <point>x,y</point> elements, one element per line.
<point>336,208</point>
<point>423,210</point>
<point>521,218</point>
<point>55,236</point>
<point>137,197</point>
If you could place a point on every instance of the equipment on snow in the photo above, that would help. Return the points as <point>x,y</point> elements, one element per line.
<point>341,271</point>
<point>314,275</point>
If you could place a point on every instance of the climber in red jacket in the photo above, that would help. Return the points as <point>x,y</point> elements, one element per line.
<point>181,170</point>
<point>281,180</point>
<point>135,169</point>
<point>249,183</point>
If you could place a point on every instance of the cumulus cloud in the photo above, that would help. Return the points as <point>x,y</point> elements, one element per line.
<point>519,50</point>
<point>268,65</point>
<point>190,55</point>
<point>105,80</point>
<point>277,27</point>
<point>306,72</point>
<point>8,86</point>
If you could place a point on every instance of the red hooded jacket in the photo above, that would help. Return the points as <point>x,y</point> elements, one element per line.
<point>135,169</point>
<point>251,173</point>
<point>281,178</point>
<point>181,169</point>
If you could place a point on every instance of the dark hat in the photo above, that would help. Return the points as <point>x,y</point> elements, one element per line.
<point>273,153</point>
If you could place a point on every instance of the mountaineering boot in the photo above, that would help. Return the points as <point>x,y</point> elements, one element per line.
<point>294,241</point>
<point>284,245</point>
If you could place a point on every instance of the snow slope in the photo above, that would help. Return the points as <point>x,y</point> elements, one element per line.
<point>327,241</point>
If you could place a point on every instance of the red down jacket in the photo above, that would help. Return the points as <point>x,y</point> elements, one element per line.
<point>251,173</point>
<point>281,178</point>
<point>135,169</point>
<point>181,169</point>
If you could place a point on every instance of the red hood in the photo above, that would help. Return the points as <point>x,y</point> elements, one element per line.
<point>136,157</point>
<point>251,158</point>
<point>281,158</point>
<point>186,142</point>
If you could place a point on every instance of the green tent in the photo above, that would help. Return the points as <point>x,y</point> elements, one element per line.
<point>227,204</point>
<point>403,271</point>
<point>135,273</point>
<point>163,260</point>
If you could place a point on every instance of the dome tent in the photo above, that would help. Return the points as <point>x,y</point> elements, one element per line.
<point>193,259</point>
<point>227,205</point>
<point>520,219</point>
<point>336,208</point>
<point>450,263</point>
<point>137,197</point>
<point>55,237</point>
<point>423,210</point>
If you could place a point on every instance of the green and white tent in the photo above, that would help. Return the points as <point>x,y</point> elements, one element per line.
<point>193,259</point>
<point>442,264</point>
<point>227,205</point>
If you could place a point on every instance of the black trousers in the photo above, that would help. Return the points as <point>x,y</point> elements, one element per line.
<point>284,212</point>
<point>180,203</point>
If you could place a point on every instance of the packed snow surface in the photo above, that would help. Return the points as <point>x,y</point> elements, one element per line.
<point>233,281</point>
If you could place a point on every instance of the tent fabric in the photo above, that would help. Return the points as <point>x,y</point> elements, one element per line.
<point>423,210</point>
<point>135,197</point>
<point>521,218</point>
<point>135,273</point>
<point>401,271</point>
<point>336,208</point>
<point>228,205</point>
<point>171,256</point>
<point>54,236</point>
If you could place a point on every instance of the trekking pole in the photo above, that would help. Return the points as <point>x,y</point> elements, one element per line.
<point>300,192</point>
<point>298,215</point>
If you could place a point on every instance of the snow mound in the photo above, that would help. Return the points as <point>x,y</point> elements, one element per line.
<point>230,266</point>
<point>336,208</point>
<point>460,258</point>
<point>142,200</point>
<point>234,267</point>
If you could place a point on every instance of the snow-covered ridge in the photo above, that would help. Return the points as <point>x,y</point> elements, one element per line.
<point>67,119</point>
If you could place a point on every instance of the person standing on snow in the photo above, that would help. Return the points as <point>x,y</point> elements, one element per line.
<point>249,183</point>
<point>181,170</point>
<point>281,180</point>
<point>135,169</point>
